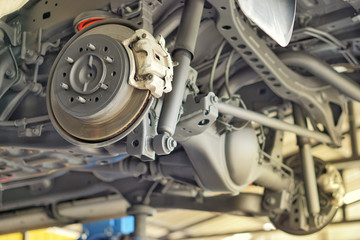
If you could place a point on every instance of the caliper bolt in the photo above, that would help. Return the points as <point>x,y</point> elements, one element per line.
<point>81,99</point>
<point>104,86</point>
<point>69,60</point>
<point>91,47</point>
<point>108,59</point>
<point>64,86</point>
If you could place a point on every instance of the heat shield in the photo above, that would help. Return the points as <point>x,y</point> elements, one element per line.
<point>274,17</point>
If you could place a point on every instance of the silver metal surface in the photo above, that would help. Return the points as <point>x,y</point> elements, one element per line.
<point>198,115</point>
<point>275,17</point>
<point>210,157</point>
<point>323,71</point>
<point>314,96</point>
<point>242,152</point>
<point>271,122</point>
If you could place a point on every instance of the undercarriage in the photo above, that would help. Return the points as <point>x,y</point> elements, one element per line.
<point>127,106</point>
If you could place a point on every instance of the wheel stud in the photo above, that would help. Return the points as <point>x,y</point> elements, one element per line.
<point>109,59</point>
<point>69,60</point>
<point>91,47</point>
<point>64,86</point>
<point>104,86</point>
<point>81,99</point>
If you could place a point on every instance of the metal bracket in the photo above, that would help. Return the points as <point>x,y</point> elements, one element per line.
<point>139,12</point>
<point>316,99</point>
<point>277,139</point>
<point>10,75</point>
<point>298,218</point>
<point>276,202</point>
<point>139,141</point>
<point>191,87</point>
<point>12,32</point>
<point>197,116</point>
<point>30,132</point>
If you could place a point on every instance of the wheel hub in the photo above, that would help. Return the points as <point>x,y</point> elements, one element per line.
<point>90,100</point>
<point>87,74</point>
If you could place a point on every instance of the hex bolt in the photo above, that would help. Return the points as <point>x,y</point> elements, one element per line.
<point>9,73</point>
<point>108,59</point>
<point>64,86</point>
<point>81,99</point>
<point>138,198</point>
<point>69,60</point>
<point>214,99</point>
<point>104,86</point>
<point>163,144</point>
<point>323,202</point>
<point>171,143</point>
<point>30,53</point>
<point>270,200</point>
<point>91,46</point>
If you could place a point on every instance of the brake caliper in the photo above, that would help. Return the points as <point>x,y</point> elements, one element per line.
<point>153,65</point>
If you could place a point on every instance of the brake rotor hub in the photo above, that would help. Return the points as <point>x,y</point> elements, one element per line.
<point>89,98</point>
<point>89,77</point>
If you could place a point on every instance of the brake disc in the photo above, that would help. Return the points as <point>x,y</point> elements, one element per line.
<point>89,98</point>
<point>298,220</point>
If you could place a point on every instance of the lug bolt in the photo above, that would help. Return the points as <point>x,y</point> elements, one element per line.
<point>69,60</point>
<point>81,99</point>
<point>108,59</point>
<point>104,86</point>
<point>64,86</point>
<point>91,46</point>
